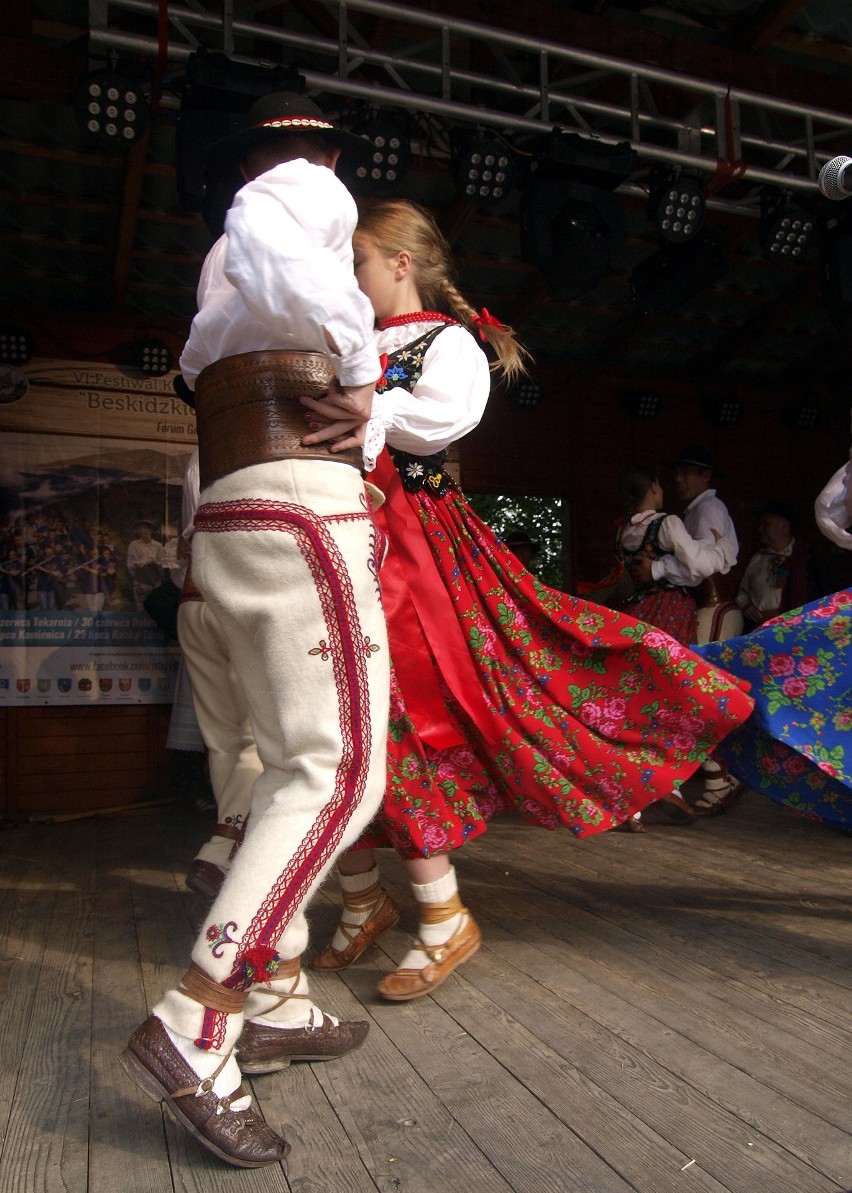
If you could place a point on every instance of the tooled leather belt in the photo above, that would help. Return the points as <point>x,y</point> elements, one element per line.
<point>248,411</point>
<point>714,590</point>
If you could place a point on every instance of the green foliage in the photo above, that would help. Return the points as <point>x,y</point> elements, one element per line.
<point>540,517</point>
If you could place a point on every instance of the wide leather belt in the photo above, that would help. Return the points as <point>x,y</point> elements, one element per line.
<point>248,411</point>
<point>714,590</point>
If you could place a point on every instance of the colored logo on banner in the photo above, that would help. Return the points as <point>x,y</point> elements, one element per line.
<point>4,685</point>
<point>124,685</point>
<point>64,684</point>
<point>23,685</point>
<point>44,685</point>
<point>105,685</point>
<point>85,685</point>
<point>145,685</point>
<point>162,684</point>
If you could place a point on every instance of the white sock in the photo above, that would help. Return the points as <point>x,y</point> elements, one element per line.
<point>182,1017</point>
<point>293,1012</point>
<point>354,884</point>
<point>439,891</point>
<point>218,851</point>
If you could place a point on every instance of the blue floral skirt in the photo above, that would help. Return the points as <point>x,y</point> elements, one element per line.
<point>796,747</point>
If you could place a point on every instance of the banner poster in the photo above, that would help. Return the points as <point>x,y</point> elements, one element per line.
<point>91,476</point>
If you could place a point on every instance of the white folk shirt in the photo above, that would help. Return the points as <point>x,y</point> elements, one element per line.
<point>704,514</point>
<point>833,507</point>
<point>447,402</point>
<point>696,561</point>
<point>759,585</point>
<point>282,277</point>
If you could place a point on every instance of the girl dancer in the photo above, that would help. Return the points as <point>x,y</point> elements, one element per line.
<point>507,696</point>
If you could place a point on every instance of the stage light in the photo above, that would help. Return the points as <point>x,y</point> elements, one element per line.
<point>643,404</point>
<point>16,345</point>
<point>806,414</point>
<point>677,206</point>
<point>787,229</point>
<point>526,393</point>
<point>483,168</point>
<point>151,357</point>
<point>111,109</point>
<point>390,155</point>
<point>726,411</point>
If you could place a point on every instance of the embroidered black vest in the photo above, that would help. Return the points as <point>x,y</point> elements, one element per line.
<point>404,369</point>
<point>649,546</point>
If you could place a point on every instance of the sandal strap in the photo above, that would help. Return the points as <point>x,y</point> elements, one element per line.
<point>435,952</point>
<point>205,1085</point>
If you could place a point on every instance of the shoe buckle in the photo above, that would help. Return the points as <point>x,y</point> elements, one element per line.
<point>204,1087</point>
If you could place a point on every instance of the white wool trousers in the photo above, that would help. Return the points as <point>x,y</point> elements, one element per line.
<point>285,555</point>
<point>222,712</point>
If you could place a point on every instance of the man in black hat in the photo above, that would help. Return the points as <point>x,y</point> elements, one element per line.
<point>285,553</point>
<point>781,574</point>
<point>707,520</point>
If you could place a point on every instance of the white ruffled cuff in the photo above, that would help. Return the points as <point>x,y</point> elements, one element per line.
<point>374,441</point>
<point>374,436</point>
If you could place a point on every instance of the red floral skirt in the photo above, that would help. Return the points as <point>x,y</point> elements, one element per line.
<point>507,696</point>
<point>669,609</point>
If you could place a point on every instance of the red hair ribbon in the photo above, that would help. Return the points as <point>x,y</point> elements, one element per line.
<point>486,317</point>
<point>381,380</point>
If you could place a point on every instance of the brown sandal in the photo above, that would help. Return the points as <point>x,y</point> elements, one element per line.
<point>384,914</point>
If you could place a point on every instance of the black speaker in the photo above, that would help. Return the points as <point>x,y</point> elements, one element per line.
<point>573,232</point>
<point>674,274</point>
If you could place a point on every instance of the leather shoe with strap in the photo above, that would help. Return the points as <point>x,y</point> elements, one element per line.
<point>205,878</point>
<point>240,1137</point>
<point>401,985</point>
<point>263,1048</point>
<point>384,915</point>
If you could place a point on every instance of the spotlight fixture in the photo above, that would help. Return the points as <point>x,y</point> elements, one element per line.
<point>151,357</point>
<point>389,156</point>
<point>805,414</point>
<point>787,229</point>
<point>643,404</point>
<point>726,411</point>
<point>483,167</point>
<point>16,345</point>
<point>111,109</point>
<point>677,205</point>
<point>526,393</point>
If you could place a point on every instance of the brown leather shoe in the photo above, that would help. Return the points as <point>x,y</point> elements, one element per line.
<point>205,878</point>
<point>240,1137</point>
<point>385,914</point>
<point>265,1049</point>
<point>404,984</point>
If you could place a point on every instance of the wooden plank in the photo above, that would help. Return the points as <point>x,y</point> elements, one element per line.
<point>121,1115</point>
<point>46,1141</point>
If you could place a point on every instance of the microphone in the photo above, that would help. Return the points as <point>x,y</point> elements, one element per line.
<point>835,178</point>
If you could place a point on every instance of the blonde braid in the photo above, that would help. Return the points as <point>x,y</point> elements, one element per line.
<point>399,223</point>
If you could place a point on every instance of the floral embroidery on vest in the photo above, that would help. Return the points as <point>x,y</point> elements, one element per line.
<point>403,370</point>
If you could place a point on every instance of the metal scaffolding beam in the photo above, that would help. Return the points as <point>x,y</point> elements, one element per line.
<point>728,133</point>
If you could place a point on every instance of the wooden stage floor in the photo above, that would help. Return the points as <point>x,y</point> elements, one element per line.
<point>656,1012</point>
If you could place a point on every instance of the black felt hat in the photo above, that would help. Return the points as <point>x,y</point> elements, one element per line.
<point>694,456</point>
<point>283,112</point>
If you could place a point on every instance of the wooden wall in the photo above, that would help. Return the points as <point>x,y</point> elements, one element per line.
<point>66,760</point>
<point>578,440</point>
